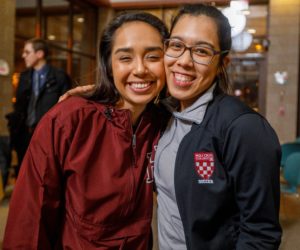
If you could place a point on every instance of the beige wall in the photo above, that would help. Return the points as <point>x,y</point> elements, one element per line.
<point>284,30</point>
<point>7,26</point>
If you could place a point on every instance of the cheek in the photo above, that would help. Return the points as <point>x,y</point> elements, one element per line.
<point>168,61</point>
<point>160,71</point>
<point>119,71</point>
<point>167,66</point>
<point>157,70</point>
<point>205,72</point>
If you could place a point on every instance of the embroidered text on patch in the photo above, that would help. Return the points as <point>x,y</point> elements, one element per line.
<point>205,166</point>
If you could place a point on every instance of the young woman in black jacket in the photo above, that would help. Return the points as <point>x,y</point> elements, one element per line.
<point>217,163</point>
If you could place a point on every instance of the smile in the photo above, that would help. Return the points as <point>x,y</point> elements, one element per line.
<point>183,80</point>
<point>140,85</point>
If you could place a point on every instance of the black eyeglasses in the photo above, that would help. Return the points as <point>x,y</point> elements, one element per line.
<point>199,53</point>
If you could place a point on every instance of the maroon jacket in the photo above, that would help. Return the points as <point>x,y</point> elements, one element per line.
<point>85,182</point>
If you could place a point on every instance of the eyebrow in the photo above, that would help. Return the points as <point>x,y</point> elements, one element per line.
<point>129,49</point>
<point>197,43</point>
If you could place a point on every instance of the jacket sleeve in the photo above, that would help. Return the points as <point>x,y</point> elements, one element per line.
<point>252,155</point>
<point>65,81</point>
<point>36,204</point>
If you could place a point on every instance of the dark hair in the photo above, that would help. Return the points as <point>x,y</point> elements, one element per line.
<point>224,35</point>
<point>106,91</point>
<point>39,44</point>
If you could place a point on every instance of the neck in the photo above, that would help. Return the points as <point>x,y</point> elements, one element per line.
<point>135,110</point>
<point>39,65</point>
<point>186,104</point>
<point>136,115</point>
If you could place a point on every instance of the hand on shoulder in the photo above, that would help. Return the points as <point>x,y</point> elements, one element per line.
<point>83,91</point>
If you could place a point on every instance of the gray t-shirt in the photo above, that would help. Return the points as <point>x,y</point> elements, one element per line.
<point>170,228</point>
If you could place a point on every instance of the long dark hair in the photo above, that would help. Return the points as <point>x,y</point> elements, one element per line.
<point>106,91</point>
<point>224,35</point>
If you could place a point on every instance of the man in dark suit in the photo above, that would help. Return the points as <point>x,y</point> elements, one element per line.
<point>39,88</point>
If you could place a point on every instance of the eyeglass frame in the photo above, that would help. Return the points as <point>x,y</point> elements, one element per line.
<point>215,52</point>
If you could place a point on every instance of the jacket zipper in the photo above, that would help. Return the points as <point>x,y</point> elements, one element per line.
<point>133,143</point>
<point>134,165</point>
<point>134,149</point>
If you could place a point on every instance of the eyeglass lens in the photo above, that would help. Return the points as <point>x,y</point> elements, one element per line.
<point>199,53</point>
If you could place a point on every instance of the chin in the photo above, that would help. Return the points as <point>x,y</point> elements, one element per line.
<point>144,101</point>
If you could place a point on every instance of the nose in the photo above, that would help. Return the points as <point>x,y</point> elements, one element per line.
<point>185,59</point>
<point>140,67</point>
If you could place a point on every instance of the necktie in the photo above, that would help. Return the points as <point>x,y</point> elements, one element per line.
<point>31,115</point>
<point>36,84</point>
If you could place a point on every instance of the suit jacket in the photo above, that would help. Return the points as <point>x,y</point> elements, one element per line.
<point>57,82</point>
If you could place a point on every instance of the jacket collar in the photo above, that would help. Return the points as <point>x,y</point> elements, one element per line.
<point>196,111</point>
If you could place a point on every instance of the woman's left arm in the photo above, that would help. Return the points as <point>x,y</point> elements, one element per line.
<point>252,156</point>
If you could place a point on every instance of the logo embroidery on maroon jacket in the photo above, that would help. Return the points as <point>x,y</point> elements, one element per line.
<point>150,167</point>
<point>205,166</point>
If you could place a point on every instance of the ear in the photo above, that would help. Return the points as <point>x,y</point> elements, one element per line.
<point>223,64</point>
<point>226,61</point>
<point>40,54</point>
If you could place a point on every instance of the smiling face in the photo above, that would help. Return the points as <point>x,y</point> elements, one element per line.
<point>137,64</point>
<point>186,79</point>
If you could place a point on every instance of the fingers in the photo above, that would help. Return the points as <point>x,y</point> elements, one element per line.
<point>89,89</point>
<point>83,91</point>
<point>64,97</point>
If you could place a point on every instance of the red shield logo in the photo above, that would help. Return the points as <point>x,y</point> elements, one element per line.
<point>204,164</point>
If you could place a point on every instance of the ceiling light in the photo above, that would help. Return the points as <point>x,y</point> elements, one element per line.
<point>51,37</point>
<point>239,4</point>
<point>259,48</point>
<point>236,20</point>
<point>251,31</point>
<point>80,19</point>
<point>242,42</point>
<point>246,12</point>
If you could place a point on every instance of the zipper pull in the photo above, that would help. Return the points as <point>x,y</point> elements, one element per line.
<point>133,140</point>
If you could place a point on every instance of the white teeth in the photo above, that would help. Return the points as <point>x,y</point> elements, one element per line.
<point>139,85</point>
<point>183,78</point>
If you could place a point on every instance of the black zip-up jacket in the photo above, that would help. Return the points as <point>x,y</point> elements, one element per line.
<point>227,180</point>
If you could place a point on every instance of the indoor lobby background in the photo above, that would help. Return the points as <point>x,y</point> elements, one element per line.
<point>264,68</point>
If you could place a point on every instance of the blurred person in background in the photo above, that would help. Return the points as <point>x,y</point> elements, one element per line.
<point>39,88</point>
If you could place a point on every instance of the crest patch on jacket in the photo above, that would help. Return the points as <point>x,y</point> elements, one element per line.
<point>204,166</point>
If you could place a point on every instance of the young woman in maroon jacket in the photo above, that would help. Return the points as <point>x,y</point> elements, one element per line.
<point>86,180</point>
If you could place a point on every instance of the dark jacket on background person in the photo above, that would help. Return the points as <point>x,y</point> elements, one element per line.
<point>227,180</point>
<point>86,181</point>
<point>57,82</point>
